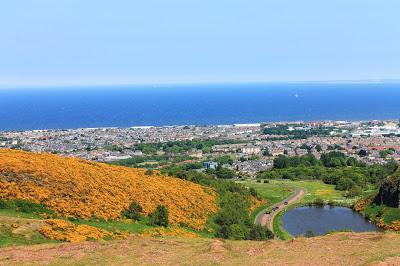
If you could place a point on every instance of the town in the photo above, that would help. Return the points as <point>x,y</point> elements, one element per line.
<point>250,148</point>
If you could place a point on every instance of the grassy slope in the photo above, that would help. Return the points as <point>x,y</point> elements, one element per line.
<point>387,213</point>
<point>20,229</point>
<point>336,249</point>
<point>278,228</point>
<point>274,192</point>
<point>9,236</point>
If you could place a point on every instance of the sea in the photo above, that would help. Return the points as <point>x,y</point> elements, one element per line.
<point>209,104</point>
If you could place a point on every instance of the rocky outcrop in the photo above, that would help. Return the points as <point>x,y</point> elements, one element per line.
<point>389,192</point>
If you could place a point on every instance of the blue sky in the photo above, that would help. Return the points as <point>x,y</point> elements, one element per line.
<point>75,42</point>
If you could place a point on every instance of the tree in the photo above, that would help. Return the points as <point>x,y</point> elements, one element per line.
<point>224,159</point>
<point>344,183</point>
<point>362,153</point>
<point>305,147</point>
<point>229,216</point>
<point>351,161</point>
<point>354,191</point>
<point>281,162</point>
<point>318,147</point>
<point>258,232</point>
<point>266,152</point>
<point>225,173</point>
<point>134,212</point>
<point>238,232</point>
<point>159,216</point>
<point>224,232</point>
<point>391,166</point>
<point>333,159</point>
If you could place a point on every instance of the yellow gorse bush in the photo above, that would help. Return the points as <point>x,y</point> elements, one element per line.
<point>393,226</point>
<point>66,231</point>
<point>172,232</point>
<point>78,188</point>
<point>256,202</point>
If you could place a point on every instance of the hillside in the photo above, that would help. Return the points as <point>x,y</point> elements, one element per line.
<point>335,249</point>
<point>384,207</point>
<point>78,188</point>
<point>389,192</point>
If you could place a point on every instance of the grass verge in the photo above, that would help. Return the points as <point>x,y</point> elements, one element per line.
<point>278,229</point>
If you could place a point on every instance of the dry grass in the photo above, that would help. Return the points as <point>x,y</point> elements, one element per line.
<point>335,249</point>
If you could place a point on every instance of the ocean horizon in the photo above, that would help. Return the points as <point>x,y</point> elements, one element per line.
<point>210,104</point>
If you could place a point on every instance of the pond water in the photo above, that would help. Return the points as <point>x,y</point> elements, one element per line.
<point>321,220</point>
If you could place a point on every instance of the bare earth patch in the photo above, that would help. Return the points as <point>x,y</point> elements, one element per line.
<point>334,249</point>
<point>45,252</point>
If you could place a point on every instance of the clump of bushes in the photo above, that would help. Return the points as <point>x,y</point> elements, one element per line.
<point>245,232</point>
<point>331,203</point>
<point>259,233</point>
<point>319,202</point>
<point>253,192</point>
<point>3,204</point>
<point>134,212</point>
<point>149,172</point>
<point>159,216</point>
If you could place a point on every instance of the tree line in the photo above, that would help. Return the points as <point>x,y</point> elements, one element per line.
<point>346,173</point>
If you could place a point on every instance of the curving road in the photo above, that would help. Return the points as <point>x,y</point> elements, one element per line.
<point>265,219</point>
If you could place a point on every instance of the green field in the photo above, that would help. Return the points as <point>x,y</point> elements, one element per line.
<point>20,229</point>
<point>278,190</point>
<point>273,191</point>
<point>317,189</point>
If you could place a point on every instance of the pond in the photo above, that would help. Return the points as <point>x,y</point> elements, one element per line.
<point>321,220</point>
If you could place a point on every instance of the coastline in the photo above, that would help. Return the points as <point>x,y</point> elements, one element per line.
<point>237,125</point>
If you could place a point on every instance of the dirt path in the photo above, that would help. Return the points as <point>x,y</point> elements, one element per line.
<point>265,219</point>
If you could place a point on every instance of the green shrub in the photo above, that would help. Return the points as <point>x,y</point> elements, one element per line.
<point>3,204</point>
<point>318,202</point>
<point>134,212</point>
<point>253,192</point>
<point>238,232</point>
<point>354,191</point>
<point>331,203</point>
<point>149,172</point>
<point>159,216</point>
<point>224,232</point>
<point>259,233</point>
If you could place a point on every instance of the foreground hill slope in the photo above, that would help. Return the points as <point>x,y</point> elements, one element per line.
<point>335,249</point>
<point>78,188</point>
